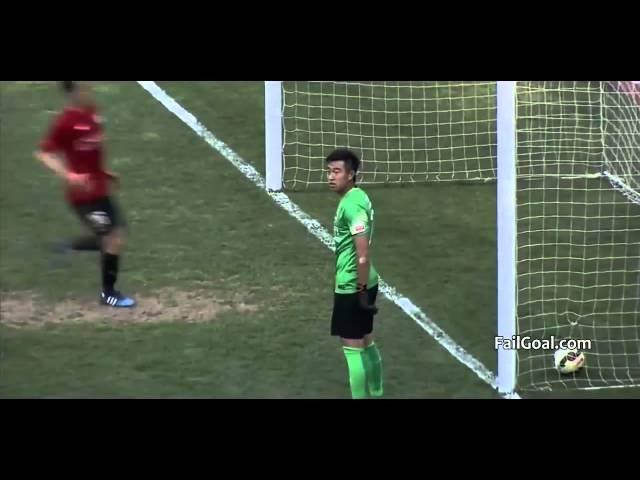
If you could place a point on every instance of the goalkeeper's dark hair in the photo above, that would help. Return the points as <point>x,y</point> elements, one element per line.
<point>68,87</point>
<point>350,159</point>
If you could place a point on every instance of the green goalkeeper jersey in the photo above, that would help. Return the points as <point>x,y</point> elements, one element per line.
<point>353,217</point>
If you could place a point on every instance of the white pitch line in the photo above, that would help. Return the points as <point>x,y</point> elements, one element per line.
<point>607,387</point>
<point>318,231</point>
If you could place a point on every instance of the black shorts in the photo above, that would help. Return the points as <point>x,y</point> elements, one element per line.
<point>101,216</point>
<point>348,320</point>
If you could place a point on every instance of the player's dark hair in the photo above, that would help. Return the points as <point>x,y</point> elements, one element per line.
<point>68,87</point>
<point>350,159</point>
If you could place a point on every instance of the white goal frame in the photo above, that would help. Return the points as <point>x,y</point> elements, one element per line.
<point>506,156</point>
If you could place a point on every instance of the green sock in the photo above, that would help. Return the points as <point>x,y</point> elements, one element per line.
<point>357,373</point>
<point>374,370</point>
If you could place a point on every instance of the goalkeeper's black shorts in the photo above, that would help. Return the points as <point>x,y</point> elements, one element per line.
<point>349,320</point>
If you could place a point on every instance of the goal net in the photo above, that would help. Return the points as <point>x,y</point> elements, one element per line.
<point>405,132</point>
<point>578,228</point>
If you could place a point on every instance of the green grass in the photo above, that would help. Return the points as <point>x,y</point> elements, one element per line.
<point>196,223</point>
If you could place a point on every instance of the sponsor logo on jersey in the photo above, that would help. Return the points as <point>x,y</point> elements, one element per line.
<point>93,141</point>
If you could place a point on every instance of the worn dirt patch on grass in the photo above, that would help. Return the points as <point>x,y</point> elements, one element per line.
<point>27,309</point>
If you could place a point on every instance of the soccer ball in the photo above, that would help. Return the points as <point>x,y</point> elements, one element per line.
<point>568,360</point>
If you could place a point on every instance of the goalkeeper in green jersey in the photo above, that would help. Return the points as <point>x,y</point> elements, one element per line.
<point>356,284</point>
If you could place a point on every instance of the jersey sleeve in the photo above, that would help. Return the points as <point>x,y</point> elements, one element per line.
<point>357,219</point>
<point>54,139</point>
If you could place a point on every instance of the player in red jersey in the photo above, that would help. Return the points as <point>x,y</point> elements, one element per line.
<point>73,149</point>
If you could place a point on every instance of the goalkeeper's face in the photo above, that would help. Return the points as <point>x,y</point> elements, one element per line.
<point>340,177</point>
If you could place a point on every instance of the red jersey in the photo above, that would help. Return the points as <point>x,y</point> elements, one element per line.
<point>78,134</point>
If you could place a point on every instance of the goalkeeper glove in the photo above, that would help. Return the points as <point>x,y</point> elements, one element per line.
<point>363,300</point>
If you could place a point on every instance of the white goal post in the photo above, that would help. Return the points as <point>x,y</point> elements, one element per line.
<point>273,135</point>
<point>566,160</point>
<point>506,232</point>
